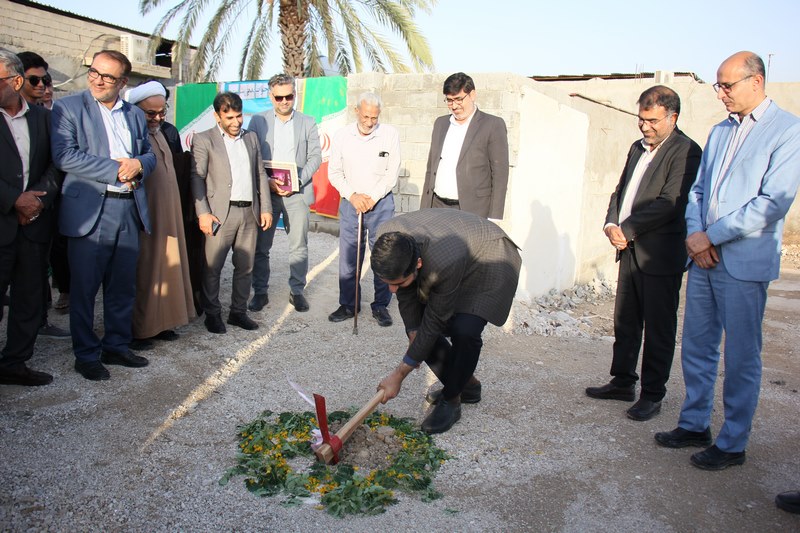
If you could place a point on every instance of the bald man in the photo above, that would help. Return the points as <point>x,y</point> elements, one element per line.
<point>748,178</point>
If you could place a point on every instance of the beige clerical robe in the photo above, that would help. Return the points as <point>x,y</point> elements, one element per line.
<point>163,288</point>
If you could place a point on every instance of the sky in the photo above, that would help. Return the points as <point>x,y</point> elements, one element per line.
<point>533,37</point>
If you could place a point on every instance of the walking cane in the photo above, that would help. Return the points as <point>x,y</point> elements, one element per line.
<point>358,270</point>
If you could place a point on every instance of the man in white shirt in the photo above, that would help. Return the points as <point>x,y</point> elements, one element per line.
<point>468,158</point>
<point>363,166</point>
<point>29,185</point>
<point>231,196</point>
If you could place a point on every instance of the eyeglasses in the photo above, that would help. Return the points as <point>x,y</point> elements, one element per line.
<point>35,80</point>
<point>728,86</point>
<point>9,77</point>
<point>108,78</point>
<point>154,114</point>
<point>454,101</point>
<point>280,98</point>
<point>652,121</point>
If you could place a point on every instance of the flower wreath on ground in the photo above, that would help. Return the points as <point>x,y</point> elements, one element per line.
<point>274,452</point>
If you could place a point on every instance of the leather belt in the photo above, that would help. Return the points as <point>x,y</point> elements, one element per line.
<point>238,203</point>
<point>446,201</point>
<point>120,195</point>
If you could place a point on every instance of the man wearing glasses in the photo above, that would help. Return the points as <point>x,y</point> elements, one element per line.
<point>163,289</point>
<point>29,185</point>
<point>645,224</point>
<point>747,181</point>
<point>468,158</point>
<point>101,143</point>
<point>35,90</point>
<point>36,77</point>
<point>289,136</point>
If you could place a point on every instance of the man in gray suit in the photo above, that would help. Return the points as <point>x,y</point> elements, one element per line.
<point>229,186</point>
<point>468,158</point>
<point>452,272</point>
<point>286,135</point>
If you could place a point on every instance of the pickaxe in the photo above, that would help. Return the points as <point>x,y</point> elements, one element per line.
<point>328,452</point>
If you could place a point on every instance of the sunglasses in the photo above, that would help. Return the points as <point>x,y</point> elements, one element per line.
<point>287,97</point>
<point>35,80</point>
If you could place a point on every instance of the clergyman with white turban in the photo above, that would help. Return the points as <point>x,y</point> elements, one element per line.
<point>163,289</point>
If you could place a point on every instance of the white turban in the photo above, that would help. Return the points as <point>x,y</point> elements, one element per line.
<point>146,90</point>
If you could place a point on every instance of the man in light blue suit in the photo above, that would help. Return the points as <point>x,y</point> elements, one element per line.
<point>101,143</point>
<point>286,135</point>
<point>748,178</point>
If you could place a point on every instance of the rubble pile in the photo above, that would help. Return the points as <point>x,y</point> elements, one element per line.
<point>557,315</point>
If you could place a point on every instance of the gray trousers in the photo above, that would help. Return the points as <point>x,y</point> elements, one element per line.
<point>295,220</point>
<point>238,233</point>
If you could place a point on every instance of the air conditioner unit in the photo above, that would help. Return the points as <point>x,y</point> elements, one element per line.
<point>135,48</point>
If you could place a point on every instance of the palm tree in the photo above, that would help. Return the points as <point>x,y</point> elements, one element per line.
<point>309,30</point>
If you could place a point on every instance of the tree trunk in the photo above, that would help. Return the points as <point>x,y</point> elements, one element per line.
<point>292,22</point>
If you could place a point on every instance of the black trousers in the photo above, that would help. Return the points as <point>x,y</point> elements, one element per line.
<point>454,362</point>
<point>650,304</point>
<point>23,267</point>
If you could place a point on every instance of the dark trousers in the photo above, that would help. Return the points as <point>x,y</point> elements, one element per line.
<point>23,267</point>
<point>348,235</point>
<point>107,256</point>
<point>649,303</point>
<point>59,263</point>
<point>455,362</point>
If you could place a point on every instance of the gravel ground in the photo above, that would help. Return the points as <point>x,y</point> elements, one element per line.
<point>145,450</point>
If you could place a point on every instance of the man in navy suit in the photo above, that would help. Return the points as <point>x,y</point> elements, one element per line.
<point>747,181</point>
<point>101,143</point>
<point>29,185</point>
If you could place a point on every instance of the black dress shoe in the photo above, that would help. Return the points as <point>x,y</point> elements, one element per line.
<point>258,302</point>
<point>214,324</point>
<point>713,458</point>
<point>681,438</point>
<point>381,314</point>
<point>643,410</point>
<point>167,335</point>
<point>92,370</point>
<point>299,302</point>
<point>141,345</point>
<point>612,392</point>
<point>442,417</point>
<point>788,501</point>
<point>242,320</point>
<point>128,359</point>
<point>470,394</point>
<point>341,314</point>
<point>22,375</point>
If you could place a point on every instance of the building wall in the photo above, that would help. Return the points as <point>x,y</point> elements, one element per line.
<point>66,43</point>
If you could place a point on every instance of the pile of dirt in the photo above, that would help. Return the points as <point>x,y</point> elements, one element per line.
<point>370,449</point>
